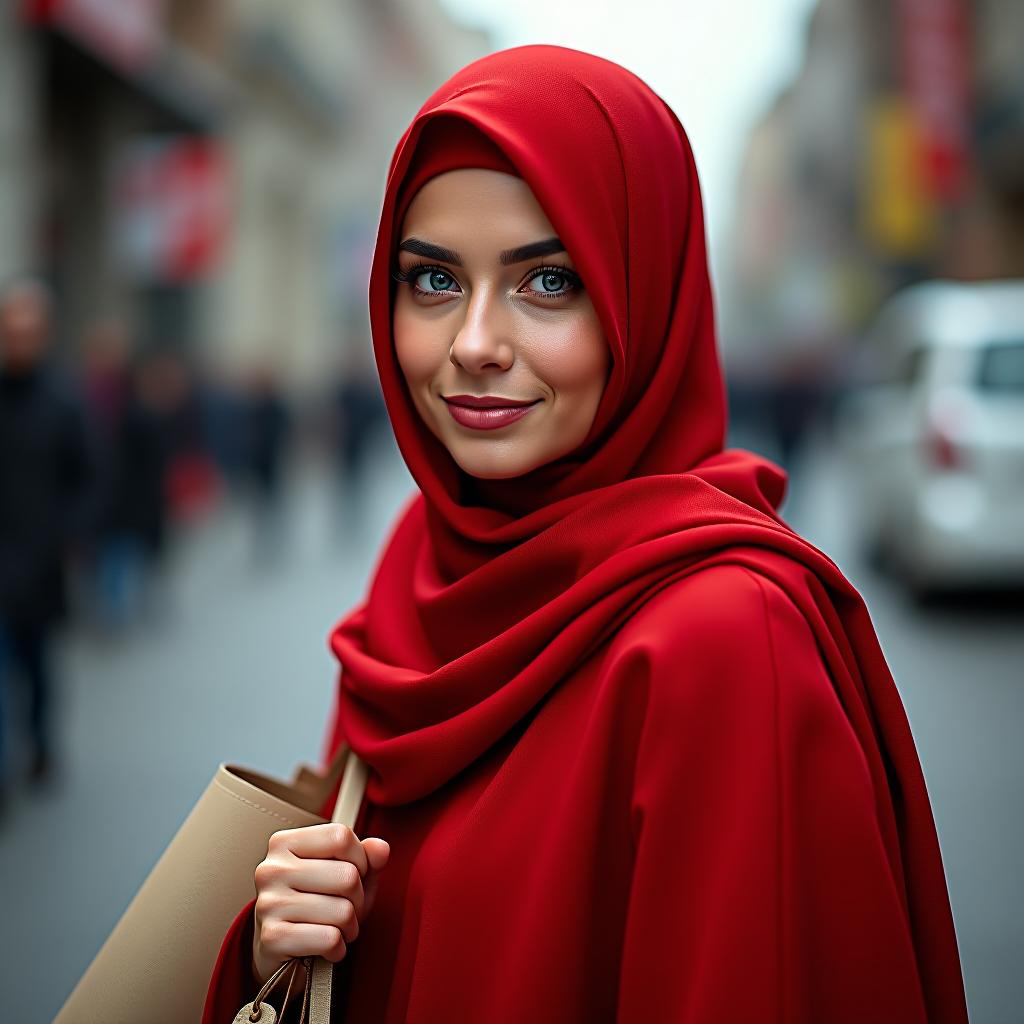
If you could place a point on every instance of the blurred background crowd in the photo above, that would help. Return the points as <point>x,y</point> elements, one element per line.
<point>187,205</point>
<point>195,463</point>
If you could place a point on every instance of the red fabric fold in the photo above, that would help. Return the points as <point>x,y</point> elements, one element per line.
<point>232,984</point>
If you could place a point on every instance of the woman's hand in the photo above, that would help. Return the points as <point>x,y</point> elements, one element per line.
<point>312,890</point>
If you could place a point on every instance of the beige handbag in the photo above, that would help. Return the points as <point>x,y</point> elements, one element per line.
<point>155,966</point>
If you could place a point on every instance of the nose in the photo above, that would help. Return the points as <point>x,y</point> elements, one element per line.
<point>482,342</point>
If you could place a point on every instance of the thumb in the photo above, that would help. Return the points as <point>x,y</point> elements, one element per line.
<point>377,853</point>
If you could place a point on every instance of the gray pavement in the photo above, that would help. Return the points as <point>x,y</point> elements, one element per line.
<point>239,670</point>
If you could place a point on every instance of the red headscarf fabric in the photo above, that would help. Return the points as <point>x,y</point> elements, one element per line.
<point>487,596</point>
<point>478,579</point>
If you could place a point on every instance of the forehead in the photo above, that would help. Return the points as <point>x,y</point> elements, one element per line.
<point>471,202</point>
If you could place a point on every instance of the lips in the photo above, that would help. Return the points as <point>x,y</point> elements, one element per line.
<point>487,412</point>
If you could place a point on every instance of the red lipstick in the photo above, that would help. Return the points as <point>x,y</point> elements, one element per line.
<point>486,412</point>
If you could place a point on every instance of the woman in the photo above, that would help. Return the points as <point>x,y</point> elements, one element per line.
<point>636,752</point>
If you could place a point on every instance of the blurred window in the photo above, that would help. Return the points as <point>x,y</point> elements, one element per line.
<point>1002,368</point>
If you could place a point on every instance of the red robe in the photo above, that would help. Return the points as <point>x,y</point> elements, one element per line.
<point>633,741</point>
<point>687,830</point>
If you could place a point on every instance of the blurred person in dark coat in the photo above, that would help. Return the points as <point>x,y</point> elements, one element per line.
<point>105,374</point>
<point>359,419</point>
<point>135,522</point>
<point>48,500</point>
<point>267,428</point>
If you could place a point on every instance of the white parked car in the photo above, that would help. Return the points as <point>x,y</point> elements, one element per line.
<point>938,443</point>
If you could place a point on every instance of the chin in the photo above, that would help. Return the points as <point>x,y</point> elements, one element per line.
<point>493,472</point>
<point>494,469</point>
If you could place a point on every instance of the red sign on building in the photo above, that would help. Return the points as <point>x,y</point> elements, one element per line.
<point>936,66</point>
<point>171,198</point>
<point>125,32</point>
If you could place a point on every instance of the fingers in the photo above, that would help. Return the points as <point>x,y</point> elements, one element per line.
<point>314,887</point>
<point>283,939</point>
<point>324,860</point>
<point>330,841</point>
<point>377,853</point>
<point>301,908</point>
<point>329,878</point>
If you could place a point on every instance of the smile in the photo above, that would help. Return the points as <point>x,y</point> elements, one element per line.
<point>488,412</point>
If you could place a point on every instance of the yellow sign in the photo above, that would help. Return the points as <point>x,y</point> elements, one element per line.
<point>900,217</point>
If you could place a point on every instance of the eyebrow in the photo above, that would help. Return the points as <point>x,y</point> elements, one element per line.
<point>545,247</point>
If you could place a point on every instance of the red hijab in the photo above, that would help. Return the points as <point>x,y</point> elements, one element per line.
<point>488,595</point>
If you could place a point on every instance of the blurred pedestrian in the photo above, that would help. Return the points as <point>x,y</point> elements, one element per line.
<point>796,401</point>
<point>267,427</point>
<point>48,502</point>
<point>173,389</point>
<point>359,419</point>
<point>105,372</point>
<point>221,405</point>
<point>134,534</point>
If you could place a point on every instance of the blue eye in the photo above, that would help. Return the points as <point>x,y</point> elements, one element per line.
<point>436,281</point>
<point>426,280</point>
<point>553,282</point>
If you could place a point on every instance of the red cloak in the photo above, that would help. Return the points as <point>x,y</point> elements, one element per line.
<point>634,743</point>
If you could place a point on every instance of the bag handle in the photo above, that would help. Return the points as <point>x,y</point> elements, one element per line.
<point>319,972</point>
<point>346,810</point>
<point>259,1012</point>
<point>351,791</point>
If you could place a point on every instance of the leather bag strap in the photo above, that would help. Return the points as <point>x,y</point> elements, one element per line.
<point>346,810</point>
<point>351,791</point>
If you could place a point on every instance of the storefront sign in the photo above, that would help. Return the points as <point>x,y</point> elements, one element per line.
<point>125,32</point>
<point>171,208</point>
<point>935,63</point>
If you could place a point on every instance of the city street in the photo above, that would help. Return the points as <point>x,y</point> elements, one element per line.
<point>213,218</point>
<point>237,669</point>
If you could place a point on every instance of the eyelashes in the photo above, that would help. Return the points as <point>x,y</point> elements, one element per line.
<point>409,276</point>
<point>417,270</point>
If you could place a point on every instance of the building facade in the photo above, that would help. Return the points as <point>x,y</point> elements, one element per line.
<point>897,155</point>
<point>208,172</point>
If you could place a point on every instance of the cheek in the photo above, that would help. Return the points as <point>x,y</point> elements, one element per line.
<point>573,359</point>
<point>419,348</point>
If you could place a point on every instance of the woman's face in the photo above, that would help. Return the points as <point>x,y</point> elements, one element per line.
<point>497,339</point>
